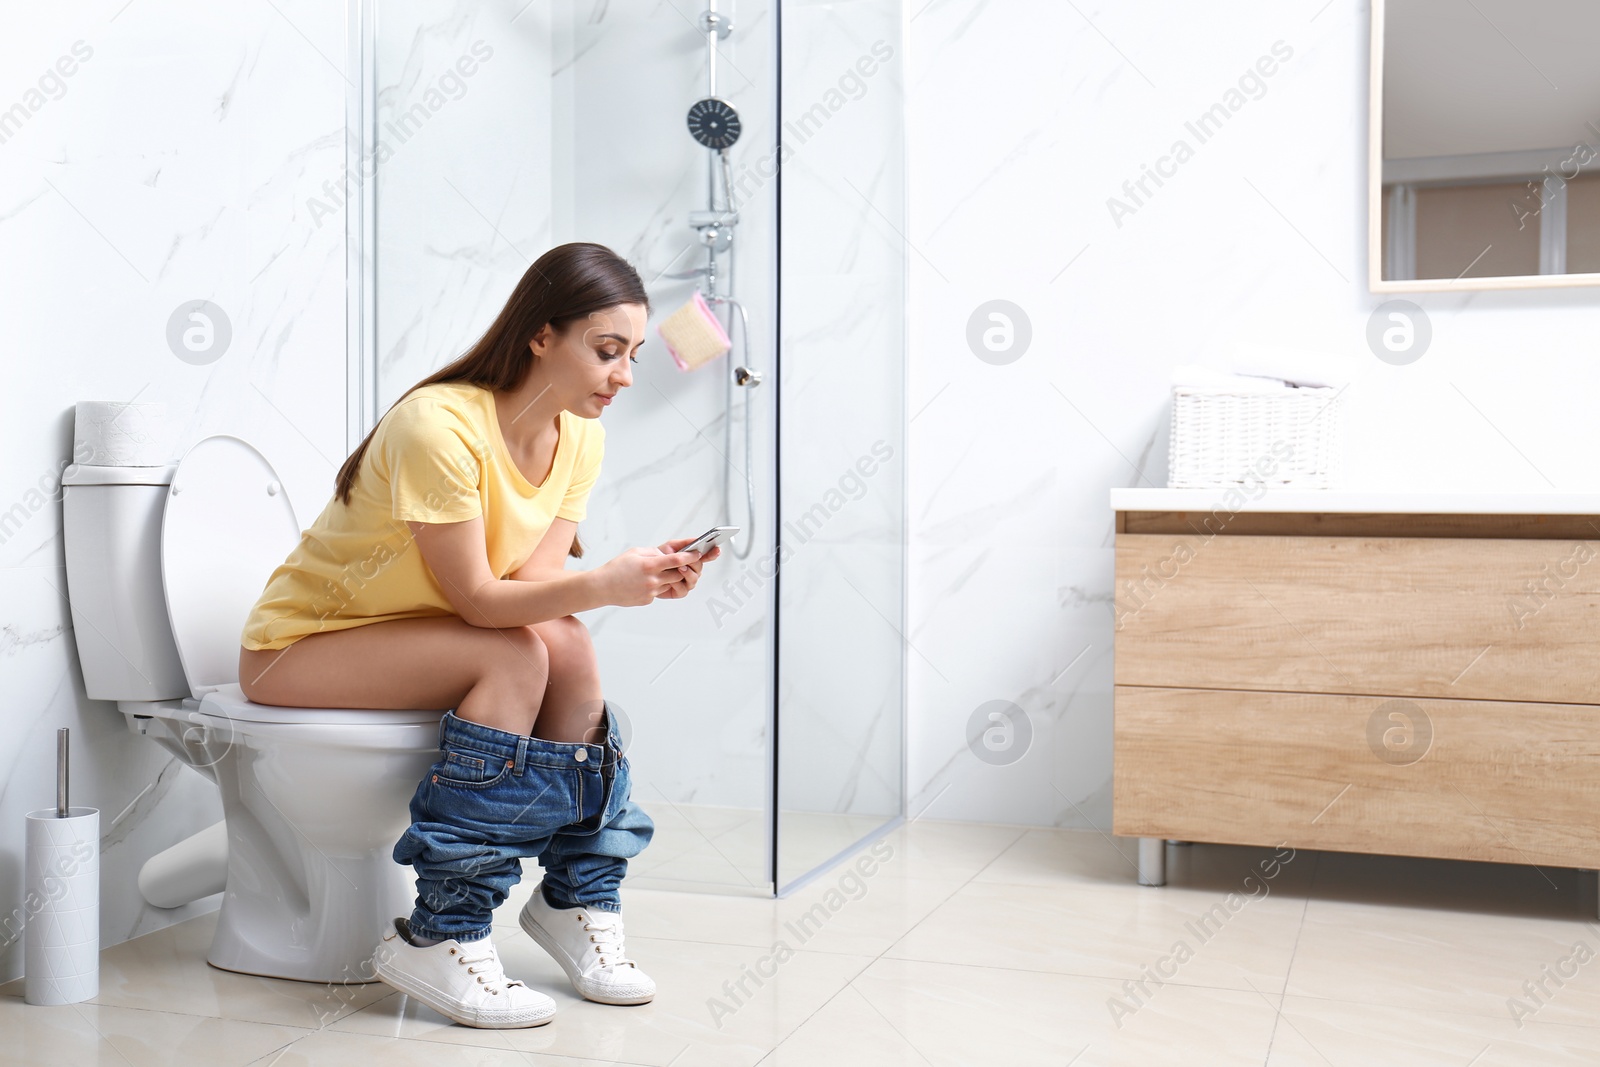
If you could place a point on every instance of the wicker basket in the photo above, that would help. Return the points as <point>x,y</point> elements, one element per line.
<point>1223,437</point>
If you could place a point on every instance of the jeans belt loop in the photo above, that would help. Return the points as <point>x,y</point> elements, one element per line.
<point>521,759</point>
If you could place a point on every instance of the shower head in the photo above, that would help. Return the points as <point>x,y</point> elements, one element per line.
<point>714,123</point>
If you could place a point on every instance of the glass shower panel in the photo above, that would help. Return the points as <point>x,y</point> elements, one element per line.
<point>841,430</point>
<point>695,677</point>
<point>571,126</point>
<point>505,129</point>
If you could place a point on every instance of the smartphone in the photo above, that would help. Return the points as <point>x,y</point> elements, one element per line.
<point>717,535</point>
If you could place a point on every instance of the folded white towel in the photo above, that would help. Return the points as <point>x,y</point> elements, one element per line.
<point>1296,366</point>
<point>1197,376</point>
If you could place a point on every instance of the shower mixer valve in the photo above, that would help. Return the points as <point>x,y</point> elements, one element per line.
<point>715,227</point>
<point>721,23</point>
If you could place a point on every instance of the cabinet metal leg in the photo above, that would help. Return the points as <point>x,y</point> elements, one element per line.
<point>1152,861</point>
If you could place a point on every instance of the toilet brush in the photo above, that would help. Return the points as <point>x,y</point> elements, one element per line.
<point>61,936</point>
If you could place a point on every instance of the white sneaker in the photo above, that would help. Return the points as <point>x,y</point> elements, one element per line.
<point>462,981</point>
<point>588,945</point>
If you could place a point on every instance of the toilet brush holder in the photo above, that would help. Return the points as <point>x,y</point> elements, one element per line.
<point>61,901</point>
<point>61,941</point>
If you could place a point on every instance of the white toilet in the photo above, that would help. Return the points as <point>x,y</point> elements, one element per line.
<point>163,566</point>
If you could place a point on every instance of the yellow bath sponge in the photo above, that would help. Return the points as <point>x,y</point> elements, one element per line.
<point>693,334</point>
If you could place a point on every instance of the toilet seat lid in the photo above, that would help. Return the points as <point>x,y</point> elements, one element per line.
<point>226,527</point>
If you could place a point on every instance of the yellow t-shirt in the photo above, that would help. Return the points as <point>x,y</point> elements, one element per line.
<point>436,456</point>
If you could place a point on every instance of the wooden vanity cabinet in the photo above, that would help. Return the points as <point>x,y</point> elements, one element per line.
<point>1413,684</point>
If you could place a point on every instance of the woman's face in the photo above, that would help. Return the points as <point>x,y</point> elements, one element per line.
<point>593,359</point>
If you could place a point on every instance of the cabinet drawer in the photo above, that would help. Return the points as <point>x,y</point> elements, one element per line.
<point>1472,779</point>
<point>1460,618</point>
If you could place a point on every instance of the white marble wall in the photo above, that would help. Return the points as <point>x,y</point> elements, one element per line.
<point>174,163</point>
<point>1026,118</point>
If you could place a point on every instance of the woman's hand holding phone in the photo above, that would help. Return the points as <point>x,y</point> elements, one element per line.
<point>668,571</point>
<point>640,575</point>
<point>688,573</point>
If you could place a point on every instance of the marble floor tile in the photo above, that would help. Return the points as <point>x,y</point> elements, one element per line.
<point>1450,936</point>
<point>1174,934</point>
<point>167,971</point>
<point>1314,1033</point>
<point>941,851</point>
<point>1447,960</point>
<point>904,1012</point>
<point>38,1036</point>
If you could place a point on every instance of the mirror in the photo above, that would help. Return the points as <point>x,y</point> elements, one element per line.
<point>1484,145</point>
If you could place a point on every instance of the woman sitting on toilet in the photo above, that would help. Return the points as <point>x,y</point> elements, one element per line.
<point>435,578</point>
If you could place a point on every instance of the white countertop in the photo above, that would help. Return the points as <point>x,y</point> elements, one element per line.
<point>1303,500</point>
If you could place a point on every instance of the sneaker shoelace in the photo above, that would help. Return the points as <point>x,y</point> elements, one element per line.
<point>493,976</point>
<point>607,937</point>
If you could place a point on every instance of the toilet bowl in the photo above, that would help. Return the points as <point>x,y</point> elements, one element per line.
<point>163,566</point>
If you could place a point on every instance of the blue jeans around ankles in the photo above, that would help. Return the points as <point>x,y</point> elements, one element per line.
<point>495,798</point>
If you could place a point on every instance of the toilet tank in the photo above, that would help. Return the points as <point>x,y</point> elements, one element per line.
<point>111,526</point>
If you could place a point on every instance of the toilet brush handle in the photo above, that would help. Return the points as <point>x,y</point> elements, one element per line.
<point>61,773</point>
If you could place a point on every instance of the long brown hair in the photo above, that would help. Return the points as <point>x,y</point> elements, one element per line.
<point>563,285</point>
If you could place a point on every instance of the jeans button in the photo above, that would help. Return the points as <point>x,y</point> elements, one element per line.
<point>580,755</point>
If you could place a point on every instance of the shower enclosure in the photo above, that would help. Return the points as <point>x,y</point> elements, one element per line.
<point>765,711</point>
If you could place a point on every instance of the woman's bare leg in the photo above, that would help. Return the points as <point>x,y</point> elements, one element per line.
<point>496,677</point>
<point>572,702</point>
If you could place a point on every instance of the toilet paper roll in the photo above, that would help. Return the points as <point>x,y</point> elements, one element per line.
<point>61,905</point>
<point>108,433</point>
